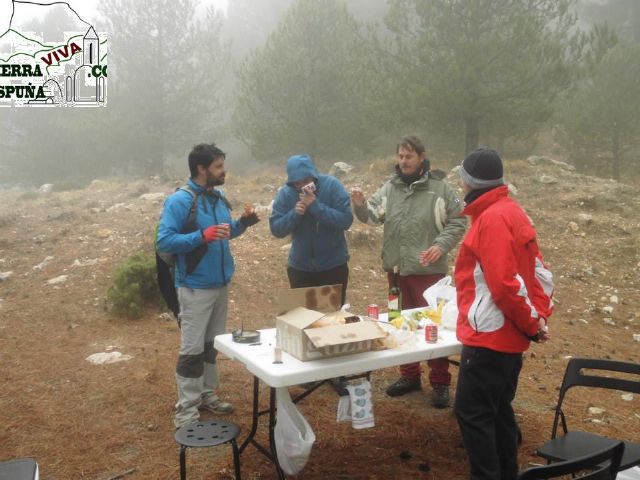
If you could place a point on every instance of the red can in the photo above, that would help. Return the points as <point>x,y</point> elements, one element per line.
<point>373,311</point>
<point>431,333</point>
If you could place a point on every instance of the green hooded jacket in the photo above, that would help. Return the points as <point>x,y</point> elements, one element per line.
<point>415,217</point>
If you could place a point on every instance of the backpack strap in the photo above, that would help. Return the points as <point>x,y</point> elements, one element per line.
<point>193,211</point>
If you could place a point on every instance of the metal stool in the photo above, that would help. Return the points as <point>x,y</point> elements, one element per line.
<point>207,434</point>
<point>21,469</point>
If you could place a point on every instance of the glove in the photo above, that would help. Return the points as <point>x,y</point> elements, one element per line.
<point>214,232</point>
<point>249,219</point>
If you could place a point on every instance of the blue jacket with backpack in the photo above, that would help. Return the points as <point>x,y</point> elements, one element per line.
<point>215,268</point>
<point>318,240</point>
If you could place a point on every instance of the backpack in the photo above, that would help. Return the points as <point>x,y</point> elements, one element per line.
<point>166,261</point>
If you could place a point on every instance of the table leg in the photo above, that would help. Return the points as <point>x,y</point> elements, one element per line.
<point>256,414</point>
<point>272,424</point>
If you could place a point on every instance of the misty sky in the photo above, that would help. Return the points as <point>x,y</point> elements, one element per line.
<point>86,8</point>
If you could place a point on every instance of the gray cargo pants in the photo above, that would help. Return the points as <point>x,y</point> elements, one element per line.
<point>203,315</point>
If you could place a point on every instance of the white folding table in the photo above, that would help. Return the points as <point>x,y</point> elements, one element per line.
<point>258,359</point>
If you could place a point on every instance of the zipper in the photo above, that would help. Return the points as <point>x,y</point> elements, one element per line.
<point>215,219</point>
<point>474,314</point>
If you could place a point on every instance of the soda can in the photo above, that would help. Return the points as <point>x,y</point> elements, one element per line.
<point>373,311</point>
<point>431,333</point>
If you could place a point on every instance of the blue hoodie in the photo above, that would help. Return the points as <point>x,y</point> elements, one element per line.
<point>318,237</point>
<point>216,267</point>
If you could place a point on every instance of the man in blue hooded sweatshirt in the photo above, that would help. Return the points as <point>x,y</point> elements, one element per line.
<point>315,210</point>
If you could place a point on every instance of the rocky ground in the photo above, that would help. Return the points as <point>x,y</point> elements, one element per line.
<point>79,420</point>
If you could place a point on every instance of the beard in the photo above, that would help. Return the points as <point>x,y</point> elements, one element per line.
<point>215,181</point>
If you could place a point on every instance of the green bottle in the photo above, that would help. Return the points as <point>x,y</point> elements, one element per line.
<point>394,307</point>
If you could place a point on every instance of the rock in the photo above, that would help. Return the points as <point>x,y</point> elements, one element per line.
<point>585,218</point>
<point>46,189</point>
<point>115,207</point>
<point>340,169</point>
<point>613,299</point>
<point>104,358</point>
<point>42,264</point>
<point>513,190</point>
<point>627,397</point>
<point>582,320</point>
<point>636,337</point>
<point>596,411</point>
<point>547,179</point>
<point>264,208</point>
<point>285,247</point>
<point>268,188</point>
<point>573,226</point>
<point>153,197</point>
<point>103,233</point>
<point>84,263</point>
<point>609,321</point>
<point>608,309</point>
<point>536,160</point>
<point>57,280</point>
<point>95,210</point>
<point>4,276</point>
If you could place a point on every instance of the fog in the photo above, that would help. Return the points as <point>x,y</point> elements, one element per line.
<point>341,80</point>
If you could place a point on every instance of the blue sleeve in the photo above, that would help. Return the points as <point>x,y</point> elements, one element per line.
<point>174,217</point>
<point>337,211</point>
<point>284,218</point>
<point>237,228</point>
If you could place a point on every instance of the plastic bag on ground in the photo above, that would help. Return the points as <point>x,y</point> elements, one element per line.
<point>293,435</point>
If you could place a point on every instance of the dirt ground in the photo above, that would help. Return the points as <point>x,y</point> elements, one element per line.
<point>82,421</point>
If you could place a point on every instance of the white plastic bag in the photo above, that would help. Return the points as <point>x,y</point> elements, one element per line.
<point>441,290</point>
<point>450,315</point>
<point>293,435</point>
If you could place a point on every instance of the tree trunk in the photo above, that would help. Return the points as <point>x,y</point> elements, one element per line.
<point>472,134</point>
<point>615,149</point>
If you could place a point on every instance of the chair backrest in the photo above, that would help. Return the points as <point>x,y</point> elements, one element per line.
<point>574,377</point>
<point>604,465</point>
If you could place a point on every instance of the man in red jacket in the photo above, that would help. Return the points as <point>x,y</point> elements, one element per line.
<point>504,298</point>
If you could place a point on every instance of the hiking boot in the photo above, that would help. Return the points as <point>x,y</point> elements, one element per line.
<point>403,385</point>
<point>440,396</point>
<point>218,407</point>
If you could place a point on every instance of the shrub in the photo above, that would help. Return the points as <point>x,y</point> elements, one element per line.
<point>134,286</point>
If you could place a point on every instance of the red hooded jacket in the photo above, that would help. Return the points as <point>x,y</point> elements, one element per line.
<point>503,287</point>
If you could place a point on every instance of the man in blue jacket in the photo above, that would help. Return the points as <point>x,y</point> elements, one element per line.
<point>315,210</point>
<point>203,270</point>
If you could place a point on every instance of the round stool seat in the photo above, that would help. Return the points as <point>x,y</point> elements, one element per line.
<point>206,434</point>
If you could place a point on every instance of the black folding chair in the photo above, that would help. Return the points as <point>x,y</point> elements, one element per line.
<point>602,465</point>
<point>576,444</point>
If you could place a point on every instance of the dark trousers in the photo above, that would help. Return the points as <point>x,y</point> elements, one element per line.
<point>487,383</point>
<point>339,274</point>
<point>411,288</point>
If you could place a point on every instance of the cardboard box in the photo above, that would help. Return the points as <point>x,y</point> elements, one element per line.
<point>297,339</point>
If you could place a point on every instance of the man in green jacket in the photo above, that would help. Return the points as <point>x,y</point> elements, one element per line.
<point>422,224</point>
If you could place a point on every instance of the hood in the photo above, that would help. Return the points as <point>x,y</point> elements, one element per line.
<point>300,167</point>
